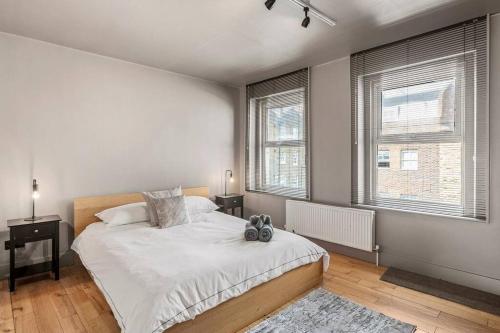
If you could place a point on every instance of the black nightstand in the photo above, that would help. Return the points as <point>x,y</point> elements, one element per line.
<point>22,232</point>
<point>230,201</point>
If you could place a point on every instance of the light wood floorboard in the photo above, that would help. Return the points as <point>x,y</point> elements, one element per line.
<point>74,304</point>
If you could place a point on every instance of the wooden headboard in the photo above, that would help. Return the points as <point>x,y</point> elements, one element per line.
<point>85,208</point>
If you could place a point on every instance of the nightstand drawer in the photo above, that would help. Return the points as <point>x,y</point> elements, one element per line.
<point>233,202</point>
<point>34,232</point>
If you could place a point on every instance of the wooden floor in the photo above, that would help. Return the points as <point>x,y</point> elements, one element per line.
<point>74,304</point>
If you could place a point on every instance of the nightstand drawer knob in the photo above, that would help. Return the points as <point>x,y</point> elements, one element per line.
<point>36,230</point>
<point>235,201</point>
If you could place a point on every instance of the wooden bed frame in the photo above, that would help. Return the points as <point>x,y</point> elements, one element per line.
<point>236,313</point>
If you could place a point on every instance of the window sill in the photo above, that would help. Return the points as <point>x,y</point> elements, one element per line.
<point>278,195</point>
<point>463,218</point>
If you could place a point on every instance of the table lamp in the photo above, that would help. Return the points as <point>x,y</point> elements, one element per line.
<point>35,195</point>
<point>231,179</point>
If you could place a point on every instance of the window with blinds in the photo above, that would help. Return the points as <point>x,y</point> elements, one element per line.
<point>420,123</point>
<point>277,151</point>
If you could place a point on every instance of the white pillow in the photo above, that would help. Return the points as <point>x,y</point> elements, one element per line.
<point>198,205</point>
<point>126,214</point>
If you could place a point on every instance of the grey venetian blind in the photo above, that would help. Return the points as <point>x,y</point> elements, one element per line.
<point>277,136</point>
<point>420,123</point>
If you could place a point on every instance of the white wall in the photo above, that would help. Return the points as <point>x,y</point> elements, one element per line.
<point>459,251</point>
<point>84,125</point>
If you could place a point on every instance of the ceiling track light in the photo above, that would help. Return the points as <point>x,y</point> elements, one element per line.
<point>313,11</point>
<point>307,19</point>
<point>269,4</point>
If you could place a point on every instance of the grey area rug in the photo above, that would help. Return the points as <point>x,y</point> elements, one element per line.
<point>324,312</point>
<point>473,298</point>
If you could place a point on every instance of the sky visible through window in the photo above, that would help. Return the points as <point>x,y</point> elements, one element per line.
<point>423,108</point>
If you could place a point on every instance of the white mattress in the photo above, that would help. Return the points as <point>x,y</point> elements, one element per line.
<point>155,278</point>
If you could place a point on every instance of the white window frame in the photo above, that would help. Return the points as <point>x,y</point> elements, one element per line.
<point>267,143</point>
<point>384,160</point>
<point>375,115</point>
<point>402,159</point>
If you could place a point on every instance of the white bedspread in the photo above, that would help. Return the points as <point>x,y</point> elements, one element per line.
<point>154,278</point>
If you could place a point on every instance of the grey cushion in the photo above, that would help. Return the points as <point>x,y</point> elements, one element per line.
<point>171,211</point>
<point>148,196</point>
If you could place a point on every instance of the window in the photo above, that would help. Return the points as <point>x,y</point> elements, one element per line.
<point>277,136</point>
<point>384,159</point>
<point>421,108</point>
<point>283,157</point>
<point>295,158</point>
<point>423,101</point>
<point>409,160</point>
<point>408,197</point>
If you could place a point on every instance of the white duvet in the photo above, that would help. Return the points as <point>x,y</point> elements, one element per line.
<point>155,278</point>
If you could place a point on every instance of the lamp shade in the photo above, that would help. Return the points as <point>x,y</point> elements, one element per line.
<point>36,193</point>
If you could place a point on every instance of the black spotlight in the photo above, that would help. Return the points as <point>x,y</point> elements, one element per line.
<point>270,4</point>
<point>307,19</point>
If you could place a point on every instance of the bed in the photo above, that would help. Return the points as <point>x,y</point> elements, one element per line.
<point>198,277</point>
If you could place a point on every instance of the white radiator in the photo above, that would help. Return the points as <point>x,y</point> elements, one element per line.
<point>346,226</point>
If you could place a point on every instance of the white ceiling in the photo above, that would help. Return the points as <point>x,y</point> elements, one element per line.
<point>229,41</point>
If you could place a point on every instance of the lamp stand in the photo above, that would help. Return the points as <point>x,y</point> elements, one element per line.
<point>225,185</point>
<point>33,217</point>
